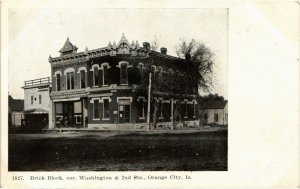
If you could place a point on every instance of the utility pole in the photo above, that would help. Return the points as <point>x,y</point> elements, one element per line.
<point>172,114</point>
<point>149,97</point>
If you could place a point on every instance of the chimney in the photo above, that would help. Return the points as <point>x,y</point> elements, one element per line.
<point>188,57</point>
<point>163,50</point>
<point>146,45</point>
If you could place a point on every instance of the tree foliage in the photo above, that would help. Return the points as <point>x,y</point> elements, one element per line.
<point>201,62</point>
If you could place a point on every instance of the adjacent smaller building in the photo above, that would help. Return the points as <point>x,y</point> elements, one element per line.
<point>215,112</point>
<point>37,103</point>
<point>15,112</point>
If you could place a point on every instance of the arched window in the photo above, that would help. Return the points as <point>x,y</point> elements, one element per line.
<point>69,78</point>
<point>123,72</point>
<point>104,67</point>
<point>95,70</point>
<point>57,75</point>
<point>82,73</point>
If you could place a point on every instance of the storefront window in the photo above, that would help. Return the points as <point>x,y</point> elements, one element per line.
<point>96,109</point>
<point>77,107</point>
<point>105,108</point>
<point>141,109</point>
<point>59,108</point>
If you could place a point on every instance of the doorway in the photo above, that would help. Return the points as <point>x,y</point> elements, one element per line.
<point>124,111</point>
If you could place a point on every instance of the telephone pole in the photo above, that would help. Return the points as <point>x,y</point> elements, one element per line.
<point>149,98</point>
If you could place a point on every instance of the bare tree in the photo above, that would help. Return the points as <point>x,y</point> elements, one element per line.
<point>200,70</point>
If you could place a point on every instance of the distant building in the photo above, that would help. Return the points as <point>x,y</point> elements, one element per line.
<point>215,112</point>
<point>37,102</point>
<point>15,111</point>
<point>98,88</point>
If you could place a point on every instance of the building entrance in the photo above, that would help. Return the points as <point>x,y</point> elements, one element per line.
<point>69,114</point>
<point>124,111</point>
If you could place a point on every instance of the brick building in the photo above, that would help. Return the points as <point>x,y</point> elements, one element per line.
<point>99,88</point>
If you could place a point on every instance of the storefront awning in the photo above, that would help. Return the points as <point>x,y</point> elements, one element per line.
<point>36,111</point>
<point>66,99</point>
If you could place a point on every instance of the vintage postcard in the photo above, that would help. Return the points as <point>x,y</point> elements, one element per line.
<point>146,95</point>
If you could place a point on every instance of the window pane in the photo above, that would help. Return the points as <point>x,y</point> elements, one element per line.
<point>72,80</point>
<point>141,108</point>
<point>31,99</point>
<point>68,81</point>
<point>96,77</point>
<point>40,99</point>
<point>82,79</point>
<point>186,109</point>
<point>59,108</point>
<point>205,117</point>
<point>96,109</point>
<point>58,82</point>
<point>106,108</point>
<point>77,107</point>
<point>123,71</point>
<point>105,75</point>
<point>190,110</point>
<point>216,118</point>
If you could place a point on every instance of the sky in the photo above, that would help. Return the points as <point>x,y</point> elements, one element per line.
<point>34,34</point>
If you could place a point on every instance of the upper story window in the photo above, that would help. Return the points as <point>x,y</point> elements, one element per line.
<point>123,72</point>
<point>57,75</point>
<point>69,78</point>
<point>57,82</point>
<point>95,70</point>
<point>40,99</point>
<point>96,77</point>
<point>104,75</point>
<point>82,73</point>
<point>104,67</point>
<point>31,99</point>
<point>82,79</point>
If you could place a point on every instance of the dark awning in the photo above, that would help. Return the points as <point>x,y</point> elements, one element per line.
<point>36,111</point>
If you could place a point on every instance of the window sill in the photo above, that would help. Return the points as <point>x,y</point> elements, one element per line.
<point>97,119</point>
<point>142,118</point>
<point>160,118</point>
<point>124,84</point>
<point>95,86</point>
<point>185,117</point>
<point>105,119</point>
<point>105,85</point>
